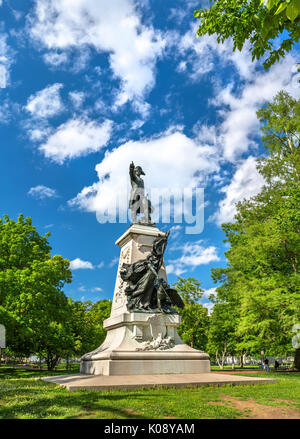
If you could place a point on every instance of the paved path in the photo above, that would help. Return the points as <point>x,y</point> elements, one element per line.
<point>100,382</point>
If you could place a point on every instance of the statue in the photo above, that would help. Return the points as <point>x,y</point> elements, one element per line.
<point>139,203</point>
<point>146,291</point>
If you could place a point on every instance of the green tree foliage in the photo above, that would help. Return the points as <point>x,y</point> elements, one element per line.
<point>262,276</point>
<point>87,324</point>
<point>33,307</point>
<point>194,327</point>
<point>222,338</point>
<point>259,21</point>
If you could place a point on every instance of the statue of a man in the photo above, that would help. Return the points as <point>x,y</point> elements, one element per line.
<point>138,203</point>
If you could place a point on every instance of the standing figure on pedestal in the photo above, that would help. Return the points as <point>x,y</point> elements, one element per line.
<point>138,203</point>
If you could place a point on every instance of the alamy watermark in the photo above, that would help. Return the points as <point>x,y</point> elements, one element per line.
<point>169,206</point>
<point>2,336</point>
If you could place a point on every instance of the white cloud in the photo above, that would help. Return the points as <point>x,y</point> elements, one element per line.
<point>75,138</point>
<point>175,231</point>
<point>77,98</point>
<point>200,55</point>
<point>193,255</point>
<point>39,132</point>
<point>113,262</point>
<point>209,306</point>
<point>100,265</point>
<point>48,226</point>
<point>245,183</point>
<point>237,105</point>
<point>209,292</point>
<point>56,59</point>
<point>7,108</point>
<point>78,263</point>
<point>6,59</point>
<point>96,290</point>
<point>110,26</point>
<point>41,192</point>
<point>240,124</point>
<point>45,103</point>
<point>171,160</point>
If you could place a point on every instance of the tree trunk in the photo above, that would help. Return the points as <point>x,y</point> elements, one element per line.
<point>232,365</point>
<point>223,357</point>
<point>242,361</point>
<point>218,361</point>
<point>297,359</point>
<point>0,356</point>
<point>52,362</point>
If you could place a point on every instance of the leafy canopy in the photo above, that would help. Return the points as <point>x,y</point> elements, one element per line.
<point>259,21</point>
<point>195,321</point>
<point>33,306</point>
<point>262,276</point>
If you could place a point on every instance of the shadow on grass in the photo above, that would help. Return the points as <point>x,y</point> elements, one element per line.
<point>48,401</point>
<point>15,373</point>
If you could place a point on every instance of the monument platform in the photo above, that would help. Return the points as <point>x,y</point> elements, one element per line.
<point>128,382</point>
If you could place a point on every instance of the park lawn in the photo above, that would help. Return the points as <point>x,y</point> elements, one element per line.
<point>24,397</point>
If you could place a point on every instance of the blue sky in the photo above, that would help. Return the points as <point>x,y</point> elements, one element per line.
<point>87,86</point>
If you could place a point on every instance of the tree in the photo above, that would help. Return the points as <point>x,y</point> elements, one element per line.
<point>222,338</point>
<point>256,21</point>
<point>194,327</point>
<point>87,324</point>
<point>33,306</point>
<point>262,273</point>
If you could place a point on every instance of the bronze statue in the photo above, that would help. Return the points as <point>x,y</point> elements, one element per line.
<point>139,203</point>
<point>145,290</point>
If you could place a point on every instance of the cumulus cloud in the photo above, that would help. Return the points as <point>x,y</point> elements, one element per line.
<point>6,60</point>
<point>56,59</point>
<point>78,264</point>
<point>209,292</point>
<point>77,98</point>
<point>45,103</point>
<point>171,161</point>
<point>200,55</point>
<point>240,124</point>
<point>76,137</point>
<point>245,183</point>
<point>209,306</point>
<point>114,27</point>
<point>237,105</point>
<point>42,192</point>
<point>193,255</point>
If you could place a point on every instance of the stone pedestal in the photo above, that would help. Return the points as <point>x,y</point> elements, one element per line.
<point>141,343</point>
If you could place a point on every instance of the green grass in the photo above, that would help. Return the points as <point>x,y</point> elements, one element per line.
<point>21,396</point>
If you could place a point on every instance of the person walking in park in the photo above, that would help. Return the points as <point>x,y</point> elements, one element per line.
<point>267,369</point>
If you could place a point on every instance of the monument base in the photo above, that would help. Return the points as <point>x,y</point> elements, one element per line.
<point>144,367</point>
<point>144,344</point>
